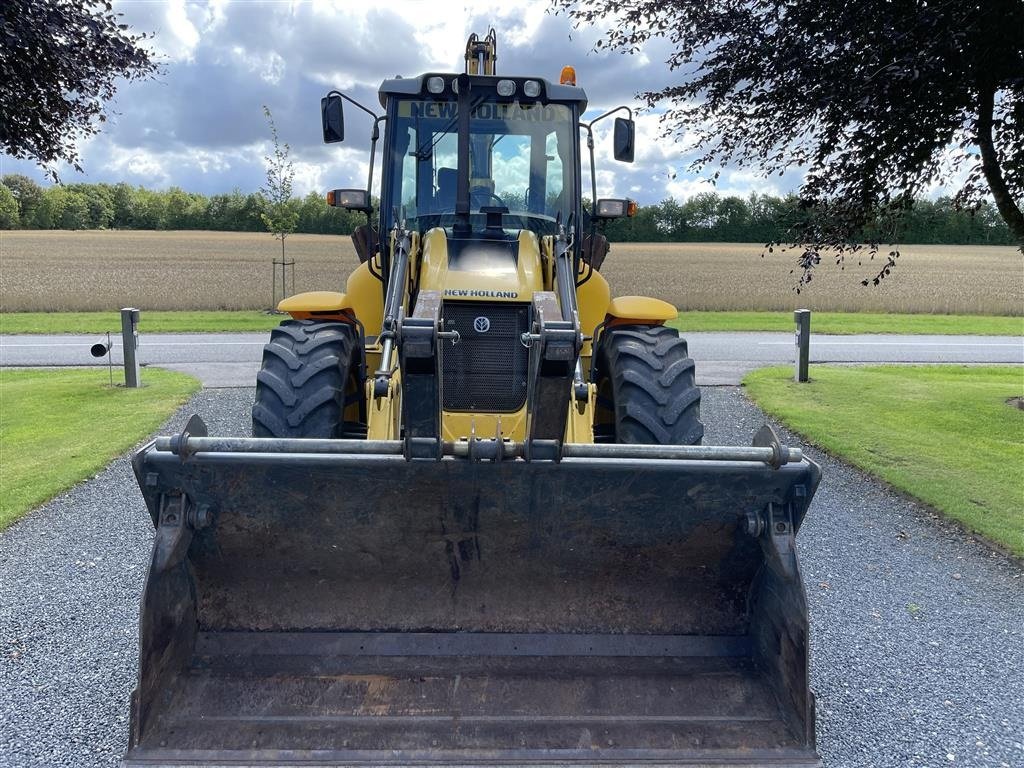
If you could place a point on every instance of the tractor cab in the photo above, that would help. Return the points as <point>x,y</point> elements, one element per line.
<point>519,164</point>
<point>480,156</point>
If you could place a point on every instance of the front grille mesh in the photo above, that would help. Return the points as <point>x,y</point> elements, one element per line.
<point>486,370</point>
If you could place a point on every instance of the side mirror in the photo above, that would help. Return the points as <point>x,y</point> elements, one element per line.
<point>624,140</point>
<point>350,199</point>
<point>333,118</point>
<point>614,208</point>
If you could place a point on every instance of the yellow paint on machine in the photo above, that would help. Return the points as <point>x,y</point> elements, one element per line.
<point>592,298</point>
<point>366,298</point>
<point>459,425</point>
<point>362,296</point>
<point>383,414</point>
<point>642,308</point>
<point>502,283</point>
<point>314,301</point>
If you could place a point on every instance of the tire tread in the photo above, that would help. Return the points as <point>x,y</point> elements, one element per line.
<point>300,389</point>
<point>656,400</point>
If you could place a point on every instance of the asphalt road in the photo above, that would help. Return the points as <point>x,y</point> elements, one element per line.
<point>917,630</point>
<point>232,359</point>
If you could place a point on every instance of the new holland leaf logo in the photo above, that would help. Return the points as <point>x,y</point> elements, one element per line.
<point>482,325</point>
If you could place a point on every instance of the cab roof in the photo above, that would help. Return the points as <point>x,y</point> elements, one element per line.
<point>414,86</point>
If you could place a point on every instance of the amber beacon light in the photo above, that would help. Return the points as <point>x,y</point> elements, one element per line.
<point>568,76</point>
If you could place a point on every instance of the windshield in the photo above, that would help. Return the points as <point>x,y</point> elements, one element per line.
<point>521,158</point>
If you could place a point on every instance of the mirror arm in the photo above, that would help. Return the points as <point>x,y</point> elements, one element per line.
<point>373,153</point>
<point>590,145</point>
<point>593,172</point>
<point>593,168</point>
<point>374,136</point>
<point>609,113</point>
<point>352,101</point>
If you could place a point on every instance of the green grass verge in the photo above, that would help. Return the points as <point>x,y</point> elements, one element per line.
<point>149,322</point>
<point>58,426</point>
<point>943,434</point>
<point>852,322</point>
<point>821,322</point>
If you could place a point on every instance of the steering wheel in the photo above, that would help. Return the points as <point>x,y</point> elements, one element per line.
<point>478,194</point>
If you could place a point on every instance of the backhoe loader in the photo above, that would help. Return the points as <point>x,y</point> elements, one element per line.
<point>475,523</point>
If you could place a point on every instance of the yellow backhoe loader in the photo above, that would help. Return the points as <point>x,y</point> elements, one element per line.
<point>475,524</point>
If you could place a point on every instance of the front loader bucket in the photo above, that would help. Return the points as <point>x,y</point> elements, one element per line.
<point>310,608</point>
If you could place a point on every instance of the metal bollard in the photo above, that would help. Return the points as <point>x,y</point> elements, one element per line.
<point>803,342</point>
<point>130,345</point>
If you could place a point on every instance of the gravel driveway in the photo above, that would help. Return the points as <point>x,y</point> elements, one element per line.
<point>917,630</point>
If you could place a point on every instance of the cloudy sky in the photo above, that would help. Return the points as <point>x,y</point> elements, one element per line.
<point>199,124</point>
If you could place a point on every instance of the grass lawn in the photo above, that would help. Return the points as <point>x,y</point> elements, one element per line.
<point>852,322</point>
<point>59,426</point>
<point>941,433</point>
<point>251,320</point>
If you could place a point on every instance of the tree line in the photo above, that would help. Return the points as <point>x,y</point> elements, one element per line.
<point>26,205</point>
<point>765,218</point>
<point>708,216</point>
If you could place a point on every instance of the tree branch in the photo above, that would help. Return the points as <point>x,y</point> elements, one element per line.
<point>1007,206</point>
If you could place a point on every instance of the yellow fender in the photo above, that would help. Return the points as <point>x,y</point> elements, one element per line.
<point>362,300</point>
<point>320,304</point>
<point>640,309</point>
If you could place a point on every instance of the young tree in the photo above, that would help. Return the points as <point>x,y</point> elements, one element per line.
<point>876,100</point>
<point>59,62</point>
<point>280,217</point>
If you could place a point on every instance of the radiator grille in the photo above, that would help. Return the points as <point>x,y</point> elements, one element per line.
<point>486,370</point>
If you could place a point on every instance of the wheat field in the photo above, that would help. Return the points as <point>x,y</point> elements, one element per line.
<point>103,270</point>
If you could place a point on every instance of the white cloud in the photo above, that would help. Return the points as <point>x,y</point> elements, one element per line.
<point>199,124</point>
<point>184,37</point>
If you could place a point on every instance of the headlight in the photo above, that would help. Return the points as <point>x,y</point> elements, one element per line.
<point>506,87</point>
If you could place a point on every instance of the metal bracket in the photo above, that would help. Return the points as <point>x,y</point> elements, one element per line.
<point>767,438</point>
<point>486,449</point>
<point>195,427</point>
<point>554,351</point>
<point>420,357</point>
<point>173,531</point>
<point>778,538</point>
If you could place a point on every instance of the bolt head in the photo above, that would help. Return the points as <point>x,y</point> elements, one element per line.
<point>204,516</point>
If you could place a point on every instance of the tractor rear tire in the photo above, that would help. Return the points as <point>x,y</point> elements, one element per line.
<point>301,387</point>
<point>646,380</point>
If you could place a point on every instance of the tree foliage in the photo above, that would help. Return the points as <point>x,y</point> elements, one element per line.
<point>59,64</point>
<point>279,217</point>
<point>8,209</point>
<point>27,193</point>
<point>706,217</point>
<point>877,101</point>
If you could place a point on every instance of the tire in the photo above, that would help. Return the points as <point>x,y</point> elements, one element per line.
<point>646,389</point>
<point>308,367</point>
